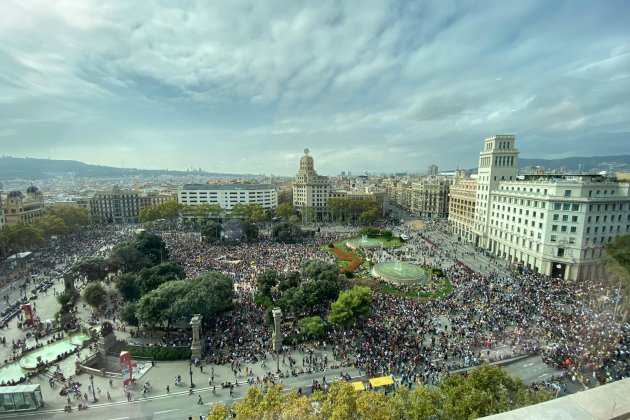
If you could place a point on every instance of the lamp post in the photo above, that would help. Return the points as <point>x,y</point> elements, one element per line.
<point>190,372</point>
<point>93,392</point>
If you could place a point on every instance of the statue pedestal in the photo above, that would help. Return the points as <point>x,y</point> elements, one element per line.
<point>106,343</point>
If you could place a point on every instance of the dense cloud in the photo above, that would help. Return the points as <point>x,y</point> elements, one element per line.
<point>367,85</point>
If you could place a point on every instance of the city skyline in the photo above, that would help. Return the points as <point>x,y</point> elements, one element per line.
<point>383,85</point>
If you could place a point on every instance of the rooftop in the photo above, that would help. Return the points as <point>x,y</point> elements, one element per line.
<point>223,187</point>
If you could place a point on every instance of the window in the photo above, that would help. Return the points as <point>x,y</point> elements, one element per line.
<point>554,228</point>
<point>563,228</point>
<point>556,217</point>
<point>575,207</point>
<point>574,219</point>
<point>565,217</point>
<point>573,229</point>
<point>557,206</point>
<point>560,252</point>
<point>566,206</point>
<point>567,193</point>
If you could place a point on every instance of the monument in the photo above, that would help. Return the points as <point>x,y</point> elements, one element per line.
<point>197,345</point>
<point>277,335</point>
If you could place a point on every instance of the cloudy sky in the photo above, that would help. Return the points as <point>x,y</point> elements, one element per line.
<point>240,86</point>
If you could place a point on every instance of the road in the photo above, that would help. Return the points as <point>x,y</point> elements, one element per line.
<point>177,405</point>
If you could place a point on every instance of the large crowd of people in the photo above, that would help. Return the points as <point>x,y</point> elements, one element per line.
<point>417,340</point>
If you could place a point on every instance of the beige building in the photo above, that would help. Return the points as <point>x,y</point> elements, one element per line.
<point>429,196</point>
<point>18,207</point>
<point>461,206</point>
<point>310,190</point>
<point>115,206</point>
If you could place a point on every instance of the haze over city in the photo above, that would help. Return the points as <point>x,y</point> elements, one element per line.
<point>244,86</point>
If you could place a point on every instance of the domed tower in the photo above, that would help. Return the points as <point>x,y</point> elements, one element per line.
<point>310,191</point>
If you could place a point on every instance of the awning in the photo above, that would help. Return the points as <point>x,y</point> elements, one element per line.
<point>358,386</point>
<point>382,381</point>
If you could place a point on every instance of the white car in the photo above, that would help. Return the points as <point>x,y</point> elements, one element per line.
<point>404,237</point>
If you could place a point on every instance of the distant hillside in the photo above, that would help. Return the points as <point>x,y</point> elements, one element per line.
<point>29,168</point>
<point>600,163</point>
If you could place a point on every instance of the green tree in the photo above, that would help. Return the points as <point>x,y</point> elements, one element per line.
<point>202,212</point>
<point>22,236</point>
<point>616,263</point>
<point>95,295</point>
<point>155,307</point>
<point>208,295</point>
<point>64,299</point>
<point>218,412</point>
<point>320,270</point>
<point>93,269</point>
<point>487,390</point>
<point>253,213</point>
<point>370,215</point>
<point>211,231</point>
<point>74,218</point>
<point>420,403</point>
<point>351,305</point>
<point>152,277</point>
<point>289,281</point>
<point>153,246</point>
<point>51,225</point>
<point>250,230</point>
<point>128,314</point>
<point>286,232</point>
<point>127,285</point>
<point>265,281</point>
<point>128,258</point>
<point>284,211</point>
<point>312,326</point>
<point>168,210</point>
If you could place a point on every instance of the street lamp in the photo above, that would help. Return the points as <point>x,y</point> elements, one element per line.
<point>190,372</point>
<point>93,392</point>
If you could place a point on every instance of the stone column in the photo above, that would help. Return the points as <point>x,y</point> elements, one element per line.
<point>277,334</point>
<point>196,345</point>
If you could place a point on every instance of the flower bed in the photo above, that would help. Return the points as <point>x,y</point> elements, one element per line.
<point>354,261</point>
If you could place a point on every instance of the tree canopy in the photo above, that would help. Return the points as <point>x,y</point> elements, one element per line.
<point>95,295</point>
<point>350,305</point>
<point>128,287</point>
<point>487,390</point>
<point>208,295</point>
<point>92,268</point>
<point>168,210</point>
<point>211,231</point>
<point>352,210</point>
<point>21,236</point>
<point>284,211</point>
<point>253,213</point>
<point>152,277</point>
<point>128,258</point>
<point>74,218</point>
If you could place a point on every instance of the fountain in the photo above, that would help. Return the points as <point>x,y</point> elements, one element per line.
<point>400,272</point>
<point>363,242</point>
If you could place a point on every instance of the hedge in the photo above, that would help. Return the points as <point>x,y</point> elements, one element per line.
<point>157,353</point>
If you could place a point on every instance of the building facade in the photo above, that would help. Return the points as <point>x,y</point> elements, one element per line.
<point>461,207</point>
<point>310,190</point>
<point>429,196</point>
<point>556,225</point>
<point>18,207</point>
<point>227,195</point>
<point>498,161</point>
<point>115,206</point>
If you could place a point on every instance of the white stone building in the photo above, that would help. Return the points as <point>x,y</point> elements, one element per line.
<point>556,225</point>
<point>227,195</point>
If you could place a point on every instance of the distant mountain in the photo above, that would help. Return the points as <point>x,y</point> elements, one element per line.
<point>620,163</point>
<point>29,168</point>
